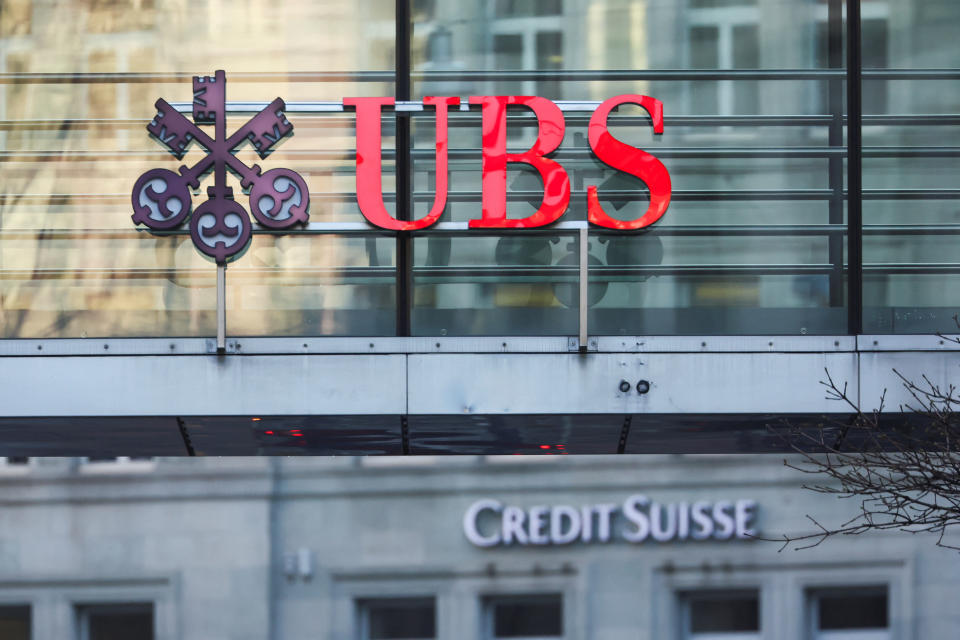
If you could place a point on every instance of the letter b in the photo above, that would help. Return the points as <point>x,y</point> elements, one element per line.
<point>556,182</point>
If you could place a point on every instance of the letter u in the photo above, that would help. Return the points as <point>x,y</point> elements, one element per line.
<point>370,164</point>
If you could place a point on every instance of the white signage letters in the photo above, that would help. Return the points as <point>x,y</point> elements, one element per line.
<point>488,522</point>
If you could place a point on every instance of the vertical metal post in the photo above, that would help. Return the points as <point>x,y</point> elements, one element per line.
<point>854,170</point>
<point>403,168</point>
<point>835,139</point>
<point>221,308</point>
<point>583,281</point>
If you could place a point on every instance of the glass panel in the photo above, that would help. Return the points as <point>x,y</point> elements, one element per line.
<point>73,144</point>
<point>704,55</point>
<point>746,55</point>
<point>711,614</point>
<point>754,240</point>
<point>118,622</point>
<point>526,617</point>
<point>511,285</point>
<point>712,4</point>
<point>390,619</point>
<point>911,215</point>
<point>15,622</point>
<point>612,35</point>
<point>852,611</point>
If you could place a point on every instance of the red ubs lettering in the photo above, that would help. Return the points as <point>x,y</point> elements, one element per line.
<point>556,182</point>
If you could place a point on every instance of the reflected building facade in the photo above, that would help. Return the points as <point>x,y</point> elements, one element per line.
<point>768,267</point>
<point>358,548</point>
<point>754,242</point>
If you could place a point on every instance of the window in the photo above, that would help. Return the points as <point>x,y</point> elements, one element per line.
<point>15,622</point>
<point>724,36</point>
<point>534,616</point>
<point>116,621</point>
<point>396,618</point>
<point>874,52</point>
<point>733,615</point>
<point>850,614</point>
<point>525,40</point>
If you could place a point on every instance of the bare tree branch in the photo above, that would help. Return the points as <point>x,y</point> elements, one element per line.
<point>903,467</point>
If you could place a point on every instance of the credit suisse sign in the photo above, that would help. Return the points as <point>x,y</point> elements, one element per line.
<point>279,198</point>
<point>638,519</point>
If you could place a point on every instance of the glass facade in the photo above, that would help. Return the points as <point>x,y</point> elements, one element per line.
<point>755,240</point>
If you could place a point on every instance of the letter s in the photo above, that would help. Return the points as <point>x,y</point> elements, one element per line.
<point>700,512</point>
<point>630,160</point>
<point>631,509</point>
<point>723,516</point>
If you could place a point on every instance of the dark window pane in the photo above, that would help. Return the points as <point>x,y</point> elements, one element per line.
<point>520,8</point>
<point>550,58</point>
<point>866,611</point>
<point>528,617</point>
<point>713,4</point>
<point>746,55</point>
<point>549,7</point>
<point>704,55</point>
<point>724,614</point>
<point>15,623</point>
<point>401,619</point>
<point>508,55</point>
<point>875,57</point>
<point>120,622</point>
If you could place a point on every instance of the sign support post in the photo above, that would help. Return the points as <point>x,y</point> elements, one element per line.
<point>221,308</point>
<point>583,300</point>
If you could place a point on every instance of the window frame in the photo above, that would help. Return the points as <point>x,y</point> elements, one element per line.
<point>685,623</point>
<point>490,601</point>
<point>812,598</point>
<point>22,603</point>
<point>82,612</point>
<point>363,606</point>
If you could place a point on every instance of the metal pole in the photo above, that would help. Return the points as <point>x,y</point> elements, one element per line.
<point>404,170</point>
<point>854,170</point>
<point>221,309</point>
<point>835,87</point>
<point>583,281</point>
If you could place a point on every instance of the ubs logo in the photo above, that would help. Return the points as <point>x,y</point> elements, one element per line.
<point>279,198</point>
<point>220,226</point>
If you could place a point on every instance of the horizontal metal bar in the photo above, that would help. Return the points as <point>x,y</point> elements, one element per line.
<point>917,268</point>
<point>235,76</point>
<point>910,152</point>
<point>693,195</point>
<point>563,75</point>
<point>911,74</point>
<point>677,195</point>
<point>462,229</point>
<point>581,75</point>
<point>475,154</point>
<point>179,346</point>
<point>494,271</point>
<point>910,120</point>
<point>580,116</point>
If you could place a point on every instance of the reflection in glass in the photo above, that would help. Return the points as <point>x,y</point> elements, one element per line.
<point>73,143</point>
<point>911,212</point>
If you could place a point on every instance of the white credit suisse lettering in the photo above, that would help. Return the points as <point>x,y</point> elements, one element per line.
<point>489,523</point>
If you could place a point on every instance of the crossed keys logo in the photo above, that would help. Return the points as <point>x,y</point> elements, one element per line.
<point>220,227</point>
